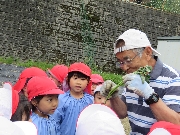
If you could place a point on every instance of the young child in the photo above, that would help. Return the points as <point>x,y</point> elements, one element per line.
<point>43,95</point>
<point>96,80</point>
<point>99,99</point>
<point>21,107</point>
<point>75,99</point>
<point>25,76</point>
<point>58,73</point>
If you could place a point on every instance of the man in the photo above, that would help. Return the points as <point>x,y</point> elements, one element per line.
<point>144,103</point>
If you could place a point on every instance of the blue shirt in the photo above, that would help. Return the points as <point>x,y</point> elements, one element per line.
<point>166,83</point>
<point>45,126</point>
<point>68,111</point>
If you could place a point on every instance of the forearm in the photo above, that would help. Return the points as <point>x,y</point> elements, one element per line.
<point>163,113</point>
<point>119,107</point>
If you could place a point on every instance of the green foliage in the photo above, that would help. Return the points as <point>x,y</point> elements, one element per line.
<point>44,65</point>
<point>172,6</point>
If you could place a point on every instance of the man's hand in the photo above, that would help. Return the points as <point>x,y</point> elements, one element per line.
<point>106,88</point>
<point>133,82</point>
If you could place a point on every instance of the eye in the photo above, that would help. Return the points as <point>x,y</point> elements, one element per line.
<point>83,78</point>
<point>49,100</point>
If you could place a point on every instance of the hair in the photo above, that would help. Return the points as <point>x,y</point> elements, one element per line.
<point>37,99</point>
<point>96,93</point>
<point>24,106</point>
<point>78,74</point>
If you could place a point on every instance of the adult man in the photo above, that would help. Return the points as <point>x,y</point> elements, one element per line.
<point>144,103</point>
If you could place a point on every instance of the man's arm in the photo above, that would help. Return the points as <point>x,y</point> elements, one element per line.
<point>119,107</point>
<point>163,113</point>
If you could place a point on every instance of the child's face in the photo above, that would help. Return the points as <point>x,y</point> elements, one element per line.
<point>93,87</point>
<point>58,83</point>
<point>78,85</point>
<point>47,104</point>
<point>98,99</point>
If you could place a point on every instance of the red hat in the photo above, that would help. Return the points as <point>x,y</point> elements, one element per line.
<point>41,85</point>
<point>81,67</point>
<point>59,72</point>
<point>164,128</point>
<point>96,78</point>
<point>28,73</point>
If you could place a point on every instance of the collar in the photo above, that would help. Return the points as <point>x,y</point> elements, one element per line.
<point>157,69</point>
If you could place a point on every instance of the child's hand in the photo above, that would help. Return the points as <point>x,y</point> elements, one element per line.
<point>106,88</point>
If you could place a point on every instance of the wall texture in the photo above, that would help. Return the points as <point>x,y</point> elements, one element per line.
<point>63,31</point>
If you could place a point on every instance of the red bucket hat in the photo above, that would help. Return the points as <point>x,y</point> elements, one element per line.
<point>15,100</point>
<point>96,78</point>
<point>41,85</point>
<point>81,67</point>
<point>164,128</point>
<point>59,72</point>
<point>28,73</point>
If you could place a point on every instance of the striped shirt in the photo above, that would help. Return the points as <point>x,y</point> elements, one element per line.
<point>166,83</point>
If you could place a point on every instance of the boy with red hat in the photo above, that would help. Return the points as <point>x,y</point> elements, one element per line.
<point>58,73</point>
<point>25,76</point>
<point>75,99</point>
<point>43,95</point>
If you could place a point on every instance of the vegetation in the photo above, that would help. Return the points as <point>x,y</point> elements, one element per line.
<point>44,65</point>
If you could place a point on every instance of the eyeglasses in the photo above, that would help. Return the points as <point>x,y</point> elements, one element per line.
<point>125,62</point>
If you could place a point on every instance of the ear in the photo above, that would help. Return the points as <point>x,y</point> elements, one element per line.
<point>148,53</point>
<point>34,102</point>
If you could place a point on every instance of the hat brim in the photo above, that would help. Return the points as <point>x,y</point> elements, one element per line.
<point>91,109</point>
<point>52,92</point>
<point>18,86</point>
<point>53,75</point>
<point>95,80</point>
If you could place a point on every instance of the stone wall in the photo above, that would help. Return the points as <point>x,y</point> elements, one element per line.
<point>63,31</point>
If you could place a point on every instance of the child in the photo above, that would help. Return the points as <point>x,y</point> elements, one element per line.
<point>99,99</point>
<point>75,99</point>
<point>58,73</point>
<point>96,80</point>
<point>98,119</point>
<point>25,76</point>
<point>43,95</point>
<point>21,107</point>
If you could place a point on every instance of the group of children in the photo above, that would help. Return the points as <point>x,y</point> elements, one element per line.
<point>53,100</point>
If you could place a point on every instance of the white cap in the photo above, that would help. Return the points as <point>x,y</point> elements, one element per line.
<point>98,88</point>
<point>97,119</point>
<point>28,127</point>
<point>7,127</point>
<point>159,131</point>
<point>6,101</point>
<point>133,39</point>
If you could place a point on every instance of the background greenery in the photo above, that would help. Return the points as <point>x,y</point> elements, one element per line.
<point>45,65</point>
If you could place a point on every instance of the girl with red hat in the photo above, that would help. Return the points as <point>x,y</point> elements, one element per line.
<point>43,95</point>
<point>75,99</point>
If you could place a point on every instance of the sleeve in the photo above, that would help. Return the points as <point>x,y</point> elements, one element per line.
<point>172,94</point>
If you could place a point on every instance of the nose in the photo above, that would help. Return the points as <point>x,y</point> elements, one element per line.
<point>55,103</point>
<point>124,67</point>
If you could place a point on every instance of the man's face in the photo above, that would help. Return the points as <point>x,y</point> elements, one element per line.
<point>131,61</point>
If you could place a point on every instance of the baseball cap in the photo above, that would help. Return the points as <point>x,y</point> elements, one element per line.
<point>28,73</point>
<point>164,128</point>
<point>97,88</point>
<point>15,100</point>
<point>81,67</point>
<point>133,39</point>
<point>27,127</point>
<point>7,127</point>
<point>59,72</point>
<point>97,119</point>
<point>41,85</point>
<point>96,78</point>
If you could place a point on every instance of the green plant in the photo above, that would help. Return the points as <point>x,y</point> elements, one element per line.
<point>142,71</point>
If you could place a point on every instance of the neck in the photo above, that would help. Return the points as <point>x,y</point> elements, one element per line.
<point>152,62</point>
<point>76,95</point>
<point>41,114</point>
